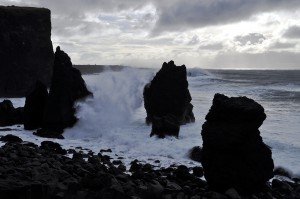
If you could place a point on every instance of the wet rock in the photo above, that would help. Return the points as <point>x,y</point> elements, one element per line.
<point>147,167</point>
<point>122,167</point>
<point>233,154</point>
<point>216,195</point>
<point>53,147</point>
<point>172,187</point>
<point>67,86</point>
<point>9,115</point>
<point>198,171</point>
<point>167,100</point>
<point>195,153</point>
<point>26,51</point>
<point>182,172</point>
<point>282,186</point>
<point>233,194</point>
<point>135,167</point>
<point>282,172</point>
<point>48,134</point>
<point>117,162</point>
<point>154,189</point>
<point>28,171</point>
<point>11,138</point>
<point>105,151</point>
<point>34,108</point>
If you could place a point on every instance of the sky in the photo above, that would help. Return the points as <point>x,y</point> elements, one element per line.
<point>248,34</point>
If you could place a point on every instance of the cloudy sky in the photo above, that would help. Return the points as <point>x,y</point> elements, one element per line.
<point>198,33</point>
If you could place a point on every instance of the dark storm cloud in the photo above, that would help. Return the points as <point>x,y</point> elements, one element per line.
<point>173,15</point>
<point>250,39</point>
<point>178,15</point>
<point>293,32</point>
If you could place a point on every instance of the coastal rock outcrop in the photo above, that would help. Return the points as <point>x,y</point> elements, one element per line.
<point>29,171</point>
<point>67,86</point>
<point>9,115</point>
<point>167,100</point>
<point>26,51</point>
<point>34,108</point>
<point>233,153</point>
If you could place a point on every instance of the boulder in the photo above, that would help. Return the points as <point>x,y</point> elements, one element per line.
<point>167,100</point>
<point>35,107</point>
<point>53,147</point>
<point>9,115</point>
<point>234,154</point>
<point>11,139</point>
<point>67,86</point>
<point>26,51</point>
<point>195,153</point>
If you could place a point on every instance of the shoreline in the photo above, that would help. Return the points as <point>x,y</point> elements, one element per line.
<point>47,171</point>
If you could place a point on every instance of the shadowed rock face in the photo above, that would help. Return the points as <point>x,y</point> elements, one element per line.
<point>233,153</point>
<point>67,86</point>
<point>35,107</point>
<point>167,100</point>
<point>9,115</point>
<point>26,53</point>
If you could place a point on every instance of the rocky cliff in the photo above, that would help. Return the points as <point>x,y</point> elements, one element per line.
<point>26,53</point>
<point>167,100</point>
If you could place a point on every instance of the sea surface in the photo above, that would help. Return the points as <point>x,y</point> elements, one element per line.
<point>115,117</point>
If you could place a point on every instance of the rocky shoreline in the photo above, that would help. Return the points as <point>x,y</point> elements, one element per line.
<point>31,171</point>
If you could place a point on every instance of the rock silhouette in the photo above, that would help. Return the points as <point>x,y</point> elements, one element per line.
<point>26,51</point>
<point>67,86</point>
<point>9,115</point>
<point>233,153</point>
<point>31,171</point>
<point>167,100</point>
<point>34,108</point>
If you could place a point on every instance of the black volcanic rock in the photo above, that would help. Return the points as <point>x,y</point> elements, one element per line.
<point>195,153</point>
<point>11,138</point>
<point>53,147</point>
<point>67,86</point>
<point>233,153</point>
<point>26,51</point>
<point>28,171</point>
<point>35,107</point>
<point>9,115</point>
<point>167,100</point>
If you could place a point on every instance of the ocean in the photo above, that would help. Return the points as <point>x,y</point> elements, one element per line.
<point>115,117</point>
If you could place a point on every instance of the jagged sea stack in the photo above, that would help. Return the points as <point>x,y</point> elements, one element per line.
<point>26,52</point>
<point>67,86</point>
<point>35,105</point>
<point>234,155</point>
<point>9,115</point>
<point>167,100</point>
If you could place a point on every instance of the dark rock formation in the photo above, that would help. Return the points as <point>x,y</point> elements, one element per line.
<point>67,86</point>
<point>167,100</point>
<point>28,171</point>
<point>10,115</point>
<point>53,147</point>
<point>11,138</point>
<point>26,51</point>
<point>233,154</point>
<point>195,153</point>
<point>35,107</point>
